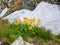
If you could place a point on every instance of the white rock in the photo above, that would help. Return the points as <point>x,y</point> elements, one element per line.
<point>3,12</point>
<point>18,14</point>
<point>20,41</point>
<point>0,43</point>
<point>26,43</point>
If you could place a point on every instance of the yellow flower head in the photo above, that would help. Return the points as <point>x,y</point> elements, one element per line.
<point>17,21</point>
<point>39,20</point>
<point>30,27</point>
<point>31,20</point>
<point>25,19</point>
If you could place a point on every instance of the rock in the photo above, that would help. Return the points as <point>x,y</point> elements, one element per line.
<point>0,43</point>
<point>50,1</point>
<point>4,41</point>
<point>38,1</point>
<point>30,40</point>
<point>15,6</point>
<point>29,4</point>
<point>2,6</point>
<point>3,12</point>
<point>36,41</point>
<point>24,4</point>
<point>40,42</point>
<point>20,41</point>
<point>0,9</point>
<point>26,43</point>
<point>53,1</point>
<point>51,42</point>
<point>49,18</point>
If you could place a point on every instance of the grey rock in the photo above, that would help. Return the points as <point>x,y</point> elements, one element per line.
<point>53,1</point>
<point>29,4</point>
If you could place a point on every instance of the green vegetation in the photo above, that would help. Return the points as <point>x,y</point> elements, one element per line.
<point>12,32</point>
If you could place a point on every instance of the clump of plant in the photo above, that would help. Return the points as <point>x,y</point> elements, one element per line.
<point>30,29</point>
<point>27,29</point>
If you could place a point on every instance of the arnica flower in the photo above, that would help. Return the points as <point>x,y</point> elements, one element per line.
<point>17,21</point>
<point>25,19</point>
<point>30,27</point>
<point>39,20</point>
<point>31,20</point>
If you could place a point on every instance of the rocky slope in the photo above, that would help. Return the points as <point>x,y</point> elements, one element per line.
<point>27,4</point>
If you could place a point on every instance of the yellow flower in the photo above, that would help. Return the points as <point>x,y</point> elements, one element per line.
<point>17,21</point>
<point>31,20</point>
<point>30,27</point>
<point>25,19</point>
<point>39,20</point>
